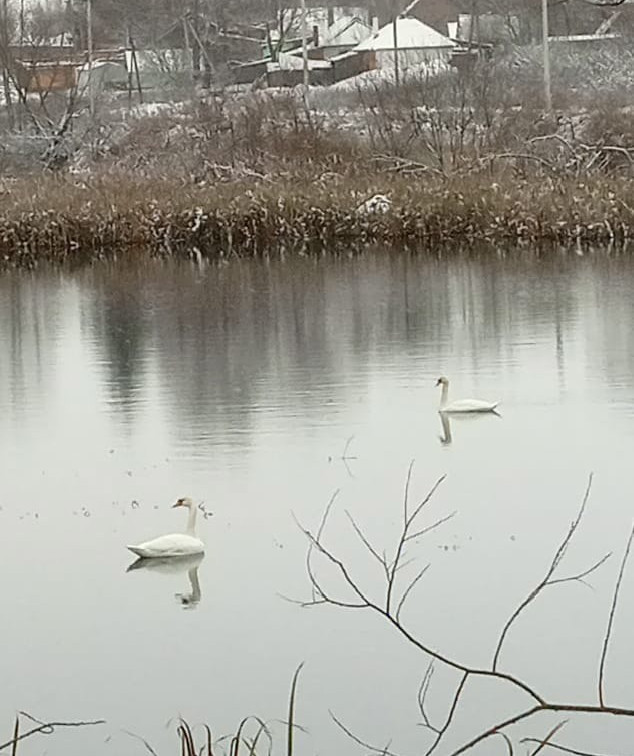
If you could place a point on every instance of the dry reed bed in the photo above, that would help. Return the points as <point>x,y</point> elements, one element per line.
<point>63,220</point>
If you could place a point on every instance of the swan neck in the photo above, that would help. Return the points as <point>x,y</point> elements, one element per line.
<point>444,396</point>
<point>191,521</point>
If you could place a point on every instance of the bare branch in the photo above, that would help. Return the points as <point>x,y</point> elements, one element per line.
<point>408,520</point>
<point>558,747</point>
<point>431,527</point>
<point>47,728</point>
<point>357,739</point>
<point>579,576</point>
<point>368,545</point>
<point>497,728</point>
<point>452,711</point>
<point>559,555</point>
<point>422,695</point>
<point>549,737</point>
<point>320,593</point>
<point>507,740</point>
<point>615,598</point>
<point>407,591</point>
<point>142,739</point>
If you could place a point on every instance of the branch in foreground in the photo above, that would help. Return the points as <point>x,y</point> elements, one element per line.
<point>548,578</point>
<point>558,747</point>
<point>46,728</point>
<point>608,633</point>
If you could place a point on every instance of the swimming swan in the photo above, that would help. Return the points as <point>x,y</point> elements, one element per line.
<point>175,544</point>
<point>462,405</point>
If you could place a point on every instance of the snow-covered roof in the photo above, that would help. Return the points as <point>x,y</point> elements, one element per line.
<point>410,34</point>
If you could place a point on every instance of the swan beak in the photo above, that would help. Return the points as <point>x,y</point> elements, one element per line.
<point>438,382</point>
<point>179,503</point>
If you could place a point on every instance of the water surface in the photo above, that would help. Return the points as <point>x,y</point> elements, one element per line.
<point>122,389</point>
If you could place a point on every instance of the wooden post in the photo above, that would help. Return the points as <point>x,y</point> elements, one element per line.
<point>548,103</point>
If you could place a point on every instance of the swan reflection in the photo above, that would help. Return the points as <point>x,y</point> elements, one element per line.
<point>446,420</point>
<point>174,566</point>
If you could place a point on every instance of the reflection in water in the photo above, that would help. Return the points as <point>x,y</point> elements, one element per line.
<point>446,438</point>
<point>175,566</point>
<point>446,419</point>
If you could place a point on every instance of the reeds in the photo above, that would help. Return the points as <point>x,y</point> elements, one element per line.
<point>62,220</point>
<point>243,741</point>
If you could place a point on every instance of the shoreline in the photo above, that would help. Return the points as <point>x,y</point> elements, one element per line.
<point>66,220</point>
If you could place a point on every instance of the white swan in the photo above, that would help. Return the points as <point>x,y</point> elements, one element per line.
<point>175,544</point>
<point>462,405</point>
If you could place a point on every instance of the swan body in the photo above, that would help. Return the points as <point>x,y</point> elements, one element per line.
<point>174,544</point>
<point>462,405</point>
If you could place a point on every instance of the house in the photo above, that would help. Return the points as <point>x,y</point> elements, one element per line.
<point>414,43</point>
<point>103,74</point>
<point>288,34</point>
<point>341,37</point>
<point>487,27</point>
<point>286,71</point>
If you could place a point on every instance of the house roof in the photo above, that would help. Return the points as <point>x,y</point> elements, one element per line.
<point>410,34</point>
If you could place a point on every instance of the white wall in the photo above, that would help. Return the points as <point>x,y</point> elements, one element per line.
<point>413,58</point>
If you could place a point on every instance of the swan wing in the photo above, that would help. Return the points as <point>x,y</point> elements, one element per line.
<point>173,545</point>
<point>470,405</point>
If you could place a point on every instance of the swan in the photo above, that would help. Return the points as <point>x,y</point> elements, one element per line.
<point>462,405</point>
<point>175,544</point>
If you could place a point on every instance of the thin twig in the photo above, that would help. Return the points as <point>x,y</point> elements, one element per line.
<point>142,739</point>
<point>358,740</point>
<point>450,715</point>
<point>368,545</point>
<point>507,740</point>
<point>407,591</point>
<point>47,728</point>
<point>579,577</point>
<point>422,695</point>
<point>576,708</point>
<point>559,555</point>
<point>549,737</point>
<point>559,747</point>
<point>615,598</point>
<point>431,527</point>
<point>408,520</point>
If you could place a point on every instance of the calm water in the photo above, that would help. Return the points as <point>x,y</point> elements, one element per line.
<point>123,389</point>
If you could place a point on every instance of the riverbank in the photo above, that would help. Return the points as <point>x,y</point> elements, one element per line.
<point>462,158</point>
<point>64,219</point>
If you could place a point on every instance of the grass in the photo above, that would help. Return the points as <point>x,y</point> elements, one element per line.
<point>241,742</point>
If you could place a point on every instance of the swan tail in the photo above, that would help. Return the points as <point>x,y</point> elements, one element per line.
<point>137,550</point>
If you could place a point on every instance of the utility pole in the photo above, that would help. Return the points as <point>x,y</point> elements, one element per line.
<point>304,45</point>
<point>91,91</point>
<point>397,73</point>
<point>548,102</point>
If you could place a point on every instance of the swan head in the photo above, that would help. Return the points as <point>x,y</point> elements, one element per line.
<point>442,381</point>
<point>184,502</point>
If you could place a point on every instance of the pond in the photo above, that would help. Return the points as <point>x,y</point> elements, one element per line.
<point>260,388</point>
